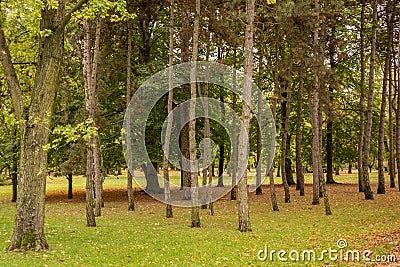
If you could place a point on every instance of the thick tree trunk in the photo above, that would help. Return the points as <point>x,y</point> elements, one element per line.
<point>152,184</point>
<point>299,118</point>
<point>69,178</point>
<point>368,130</point>
<point>195,216</point>
<point>243,204</point>
<point>361,185</point>
<point>234,131</point>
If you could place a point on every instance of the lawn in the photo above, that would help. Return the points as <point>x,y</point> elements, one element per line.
<point>146,238</point>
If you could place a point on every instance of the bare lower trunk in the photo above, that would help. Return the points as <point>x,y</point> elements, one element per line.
<point>362,104</point>
<point>398,118</point>
<point>259,99</point>
<point>195,216</point>
<point>243,204</point>
<point>286,115</point>
<point>234,132</point>
<point>368,130</point>
<point>69,178</point>
<point>299,159</point>
<point>392,163</point>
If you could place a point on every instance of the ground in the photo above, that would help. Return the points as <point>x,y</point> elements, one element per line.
<point>146,238</point>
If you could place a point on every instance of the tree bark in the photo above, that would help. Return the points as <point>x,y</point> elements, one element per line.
<point>69,178</point>
<point>361,185</point>
<point>259,101</point>
<point>382,117</point>
<point>285,122</point>
<point>368,130</point>
<point>398,117</point>
<point>392,163</point>
<point>131,200</point>
<point>167,191</point>
<point>221,150</point>
<point>195,216</point>
<point>243,204</point>
<point>234,131</point>
<point>299,118</point>
<point>184,139</point>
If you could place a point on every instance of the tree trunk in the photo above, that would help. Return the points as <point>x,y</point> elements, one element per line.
<point>382,118</point>
<point>234,131</point>
<point>69,178</point>
<point>167,191</point>
<point>195,216</point>
<point>243,204</point>
<point>361,185</point>
<point>368,130</point>
<point>299,118</point>
<point>131,200</point>
<point>392,163</point>
<point>207,189</point>
<point>152,184</point>
<point>185,43</point>
<point>29,216</point>
<point>14,168</point>
<point>90,75</point>
<point>285,122</point>
<point>221,166</point>
<point>259,101</point>
<point>329,125</point>
<point>398,118</point>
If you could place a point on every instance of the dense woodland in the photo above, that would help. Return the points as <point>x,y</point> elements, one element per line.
<point>329,70</point>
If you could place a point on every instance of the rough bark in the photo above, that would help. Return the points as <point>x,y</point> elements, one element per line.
<point>398,117</point>
<point>184,138</point>
<point>131,201</point>
<point>69,178</point>
<point>259,99</point>
<point>368,129</point>
<point>382,117</point>
<point>362,100</point>
<point>243,204</point>
<point>284,146</point>
<point>221,150</point>
<point>234,131</point>
<point>167,191</point>
<point>195,216</point>
<point>299,118</point>
<point>392,163</point>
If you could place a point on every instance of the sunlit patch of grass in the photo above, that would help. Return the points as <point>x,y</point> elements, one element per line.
<point>146,238</point>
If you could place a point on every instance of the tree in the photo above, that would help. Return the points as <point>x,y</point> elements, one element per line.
<point>243,204</point>
<point>192,122</point>
<point>167,190</point>
<point>368,130</point>
<point>34,121</point>
<point>299,118</point>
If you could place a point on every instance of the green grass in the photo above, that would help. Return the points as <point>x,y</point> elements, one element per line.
<point>146,238</point>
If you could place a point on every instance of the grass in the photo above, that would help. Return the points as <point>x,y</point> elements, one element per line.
<point>146,238</point>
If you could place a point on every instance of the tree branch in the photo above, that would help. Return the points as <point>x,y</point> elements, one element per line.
<point>11,76</point>
<point>68,16</point>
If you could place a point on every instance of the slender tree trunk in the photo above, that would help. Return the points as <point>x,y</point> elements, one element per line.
<point>259,101</point>
<point>207,189</point>
<point>286,118</point>
<point>299,119</point>
<point>192,123</point>
<point>350,169</point>
<point>392,163</point>
<point>361,185</point>
<point>234,132</point>
<point>131,201</point>
<point>368,130</point>
<point>167,191</point>
<point>185,43</point>
<point>243,204</point>
<point>398,117</point>
<point>221,150</point>
<point>382,118</point>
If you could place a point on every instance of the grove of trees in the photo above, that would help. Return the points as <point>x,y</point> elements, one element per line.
<point>329,69</point>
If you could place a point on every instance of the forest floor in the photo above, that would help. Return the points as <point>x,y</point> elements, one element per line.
<point>146,238</point>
